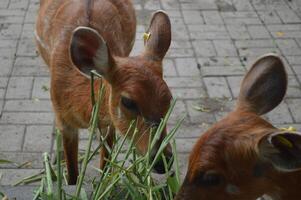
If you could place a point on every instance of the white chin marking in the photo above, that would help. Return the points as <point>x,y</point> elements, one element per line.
<point>232,189</point>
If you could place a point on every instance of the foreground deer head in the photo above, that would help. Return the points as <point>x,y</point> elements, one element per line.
<point>77,37</point>
<point>243,156</point>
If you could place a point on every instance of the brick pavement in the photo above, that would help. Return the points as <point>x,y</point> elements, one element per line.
<point>214,43</point>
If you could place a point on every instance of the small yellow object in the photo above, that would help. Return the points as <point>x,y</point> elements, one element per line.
<point>146,36</point>
<point>280,34</point>
<point>284,141</point>
<point>289,129</point>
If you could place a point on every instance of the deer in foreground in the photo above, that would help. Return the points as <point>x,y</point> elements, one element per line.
<point>77,36</point>
<point>243,157</point>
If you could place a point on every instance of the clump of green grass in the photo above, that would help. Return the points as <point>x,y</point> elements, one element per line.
<point>126,175</point>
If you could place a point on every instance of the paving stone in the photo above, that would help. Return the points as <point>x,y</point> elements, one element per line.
<point>222,71</point>
<point>27,118</point>
<point>297,69</point>
<point>6,66</point>
<point>152,5</point>
<point>256,52</point>
<point>193,17</point>
<point>217,87</point>
<point>243,17</point>
<point>169,68</point>
<point>185,145</point>
<point>198,5</point>
<point>224,48</point>
<point>280,114</point>
<point>41,88</point>
<point>288,47</point>
<point>269,17</point>
<point>179,32</point>
<point>269,5</point>
<point>27,160</point>
<point>258,32</point>
<point>27,105</point>
<point>288,16</point>
<point>219,61</point>
<point>187,93</point>
<point>30,66</point>
<point>178,113</point>
<point>234,83</point>
<point>8,43</point>
<point>212,17</point>
<point>11,138</point>
<point>294,106</point>
<point>208,32</point>
<point>11,176</point>
<point>38,139</point>
<point>285,30</point>
<point>3,82</point>
<point>198,117</point>
<point>242,5</point>
<point>174,53</point>
<point>10,31</point>
<point>191,131</point>
<point>180,44</point>
<point>27,47</point>
<point>258,43</point>
<point>19,87</point>
<point>204,48</point>
<point>170,5</point>
<point>4,4</point>
<point>2,94</point>
<point>293,89</point>
<point>187,67</point>
<point>185,82</point>
<point>294,60</point>
<point>18,4</point>
<point>238,32</point>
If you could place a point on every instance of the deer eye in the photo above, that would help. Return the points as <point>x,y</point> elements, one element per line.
<point>129,104</point>
<point>209,179</point>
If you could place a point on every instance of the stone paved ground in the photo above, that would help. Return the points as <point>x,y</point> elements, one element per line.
<point>213,44</point>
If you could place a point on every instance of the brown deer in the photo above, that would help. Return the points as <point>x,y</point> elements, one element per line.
<point>243,157</point>
<point>77,36</point>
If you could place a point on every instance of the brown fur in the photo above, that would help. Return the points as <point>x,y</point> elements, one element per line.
<point>230,148</point>
<point>140,77</point>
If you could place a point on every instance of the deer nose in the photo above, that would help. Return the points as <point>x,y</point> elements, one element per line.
<point>159,167</point>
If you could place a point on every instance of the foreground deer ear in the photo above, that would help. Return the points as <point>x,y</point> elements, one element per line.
<point>264,86</point>
<point>158,36</point>
<point>88,51</point>
<point>282,150</point>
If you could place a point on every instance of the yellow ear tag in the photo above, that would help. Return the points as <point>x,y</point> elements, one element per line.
<point>289,129</point>
<point>285,141</point>
<point>146,37</point>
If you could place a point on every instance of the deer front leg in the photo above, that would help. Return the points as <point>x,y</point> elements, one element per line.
<point>70,142</point>
<point>103,153</point>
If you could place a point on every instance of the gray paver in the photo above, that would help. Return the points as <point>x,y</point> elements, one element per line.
<point>38,139</point>
<point>11,137</point>
<point>217,87</point>
<point>19,88</point>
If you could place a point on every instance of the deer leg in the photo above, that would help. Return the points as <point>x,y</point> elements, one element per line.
<point>103,153</point>
<point>70,143</point>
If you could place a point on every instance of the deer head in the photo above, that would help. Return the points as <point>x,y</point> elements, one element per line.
<point>135,85</point>
<point>243,156</point>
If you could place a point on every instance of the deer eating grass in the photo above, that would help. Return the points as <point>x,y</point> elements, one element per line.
<point>77,36</point>
<point>243,157</point>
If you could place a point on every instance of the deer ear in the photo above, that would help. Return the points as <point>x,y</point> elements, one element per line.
<point>264,86</point>
<point>158,37</point>
<point>88,51</point>
<point>282,150</point>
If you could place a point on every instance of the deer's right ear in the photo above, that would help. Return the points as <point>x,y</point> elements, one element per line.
<point>88,51</point>
<point>158,36</point>
<point>264,86</point>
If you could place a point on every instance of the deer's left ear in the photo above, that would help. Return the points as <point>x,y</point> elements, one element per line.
<point>281,149</point>
<point>158,36</point>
